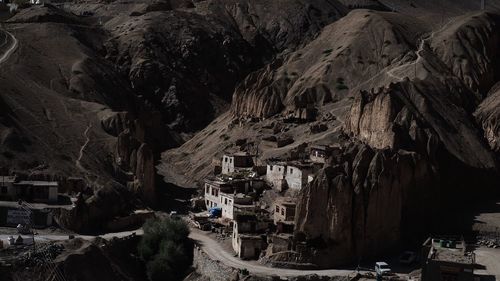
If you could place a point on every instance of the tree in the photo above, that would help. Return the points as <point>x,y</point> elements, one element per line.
<point>165,248</point>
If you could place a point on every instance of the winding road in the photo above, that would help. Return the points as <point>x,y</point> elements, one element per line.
<point>211,247</point>
<point>489,258</point>
<point>216,252</point>
<point>8,45</point>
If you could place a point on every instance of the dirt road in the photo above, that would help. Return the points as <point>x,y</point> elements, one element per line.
<point>490,259</point>
<point>60,237</point>
<point>8,45</point>
<point>216,252</point>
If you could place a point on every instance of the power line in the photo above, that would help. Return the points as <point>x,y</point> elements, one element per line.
<point>52,268</point>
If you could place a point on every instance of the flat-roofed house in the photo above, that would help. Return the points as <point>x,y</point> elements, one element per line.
<point>275,175</point>
<point>232,204</point>
<point>7,191</point>
<point>247,240</point>
<point>320,153</point>
<point>298,175</point>
<point>37,191</point>
<point>213,189</point>
<point>237,162</point>
<point>447,260</point>
<point>284,210</point>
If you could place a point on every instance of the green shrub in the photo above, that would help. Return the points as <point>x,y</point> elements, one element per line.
<point>164,248</point>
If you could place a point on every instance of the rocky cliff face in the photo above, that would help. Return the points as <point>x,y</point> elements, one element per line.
<point>409,116</point>
<point>187,62</point>
<point>346,57</point>
<point>487,115</point>
<point>413,142</point>
<point>469,48</point>
<point>356,207</point>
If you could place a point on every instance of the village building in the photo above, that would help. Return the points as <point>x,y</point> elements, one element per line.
<point>216,188</point>
<point>284,210</point>
<point>213,189</point>
<point>7,191</point>
<point>238,162</point>
<point>320,153</point>
<point>291,175</point>
<point>447,260</point>
<point>275,176</point>
<point>233,204</point>
<point>298,175</point>
<point>37,191</point>
<point>281,242</point>
<point>248,240</point>
<point>31,191</point>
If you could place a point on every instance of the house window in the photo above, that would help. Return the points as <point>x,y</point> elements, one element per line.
<point>225,201</point>
<point>230,202</point>
<point>270,168</point>
<point>225,159</point>
<point>282,211</point>
<point>230,160</point>
<point>291,171</point>
<point>277,209</point>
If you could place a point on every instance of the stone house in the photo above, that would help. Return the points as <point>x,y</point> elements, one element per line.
<point>219,190</point>
<point>232,204</point>
<point>213,189</point>
<point>248,238</point>
<point>275,175</point>
<point>298,175</point>
<point>237,162</point>
<point>31,191</point>
<point>447,260</point>
<point>284,210</point>
<point>37,191</point>
<point>320,153</point>
<point>7,191</point>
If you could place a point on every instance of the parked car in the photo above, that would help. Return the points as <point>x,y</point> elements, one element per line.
<point>382,268</point>
<point>408,258</point>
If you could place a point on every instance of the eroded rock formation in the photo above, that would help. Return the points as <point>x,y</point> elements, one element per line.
<point>356,207</point>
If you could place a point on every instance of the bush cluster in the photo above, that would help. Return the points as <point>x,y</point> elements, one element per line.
<point>165,249</point>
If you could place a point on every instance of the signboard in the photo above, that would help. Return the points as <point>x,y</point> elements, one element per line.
<point>18,217</point>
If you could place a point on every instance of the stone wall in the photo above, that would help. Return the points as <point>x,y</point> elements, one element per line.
<point>213,270</point>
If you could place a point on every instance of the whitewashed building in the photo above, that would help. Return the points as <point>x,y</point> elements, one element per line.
<point>213,189</point>
<point>297,176</point>
<point>275,175</point>
<point>246,241</point>
<point>232,204</point>
<point>237,162</point>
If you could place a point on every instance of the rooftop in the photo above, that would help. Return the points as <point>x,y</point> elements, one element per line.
<point>239,154</point>
<point>250,237</point>
<point>7,179</point>
<point>38,183</point>
<point>286,201</point>
<point>450,251</point>
<point>237,196</point>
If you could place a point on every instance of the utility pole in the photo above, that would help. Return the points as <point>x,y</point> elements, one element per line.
<point>31,223</point>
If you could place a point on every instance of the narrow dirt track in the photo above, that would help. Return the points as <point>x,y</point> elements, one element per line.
<point>7,49</point>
